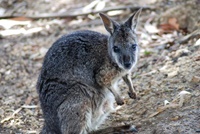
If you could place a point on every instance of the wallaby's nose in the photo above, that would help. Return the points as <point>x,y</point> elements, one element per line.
<point>127,63</point>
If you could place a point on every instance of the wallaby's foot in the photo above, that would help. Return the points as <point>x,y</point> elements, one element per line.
<point>126,129</point>
<point>132,95</point>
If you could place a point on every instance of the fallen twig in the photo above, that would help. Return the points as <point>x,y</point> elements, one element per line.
<point>85,24</point>
<point>189,36</point>
<point>174,104</point>
<point>11,116</point>
<point>31,132</point>
<point>183,39</point>
<point>75,14</point>
<point>29,106</point>
<point>17,111</point>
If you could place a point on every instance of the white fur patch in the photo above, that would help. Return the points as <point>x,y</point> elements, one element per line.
<point>104,110</point>
<point>88,117</point>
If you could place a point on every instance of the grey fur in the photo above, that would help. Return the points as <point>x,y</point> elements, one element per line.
<point>75,85</point>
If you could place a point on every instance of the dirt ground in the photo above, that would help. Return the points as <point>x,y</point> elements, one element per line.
<point>167,76</point>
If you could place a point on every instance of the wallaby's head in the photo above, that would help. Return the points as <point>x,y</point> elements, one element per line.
<point>122,46</point>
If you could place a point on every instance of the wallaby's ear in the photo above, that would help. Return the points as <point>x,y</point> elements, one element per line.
<point>133,20</point>
<point>109,24</point>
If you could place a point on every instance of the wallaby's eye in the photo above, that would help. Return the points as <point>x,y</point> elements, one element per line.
<point>116,49</point>
<point>134,46</point>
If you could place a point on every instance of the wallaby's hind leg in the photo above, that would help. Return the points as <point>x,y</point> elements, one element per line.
<point>45,130</point>
<point>132,93</point>
<point>126,129</point>
<point>74,112</point>
<point>74,118</point>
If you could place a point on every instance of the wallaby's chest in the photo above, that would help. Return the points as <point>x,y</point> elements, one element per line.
<point>108,75</point>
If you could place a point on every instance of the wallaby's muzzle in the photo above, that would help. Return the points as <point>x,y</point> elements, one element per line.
<point>127,62</point>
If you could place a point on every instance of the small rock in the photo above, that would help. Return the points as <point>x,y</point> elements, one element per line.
<point>2,70</point>
<point>2,11</point>
<point>195,79</point>
<point>166,102</point>
<point>8,72</point>
<point>175,118</point>
<point>163,69</point>
<point>1,111</point>
<point>43,51</point>
<point>34,56</point>
<point>182,52</point>
<point>38,65</point>
<point>197,43</point>
<point>197,58</point>
<point>172,74</point>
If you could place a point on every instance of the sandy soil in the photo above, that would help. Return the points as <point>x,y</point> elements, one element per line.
<point>167,76</point>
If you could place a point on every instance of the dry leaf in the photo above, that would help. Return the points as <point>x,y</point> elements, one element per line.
<point>100,5</point>
<point>28,100</point>
<point>172,25</point>
<point>175,118</point>
<point>173,22</point>
<point>166,27</point>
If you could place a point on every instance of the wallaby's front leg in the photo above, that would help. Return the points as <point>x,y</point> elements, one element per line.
<point>132,93</point>
<point>118,99</point>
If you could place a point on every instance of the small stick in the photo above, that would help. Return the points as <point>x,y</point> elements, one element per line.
<point>75,14</point>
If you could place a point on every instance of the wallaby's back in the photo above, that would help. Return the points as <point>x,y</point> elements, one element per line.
<point>76,56</point>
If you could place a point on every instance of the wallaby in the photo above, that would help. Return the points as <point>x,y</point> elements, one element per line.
<point>77,83</point>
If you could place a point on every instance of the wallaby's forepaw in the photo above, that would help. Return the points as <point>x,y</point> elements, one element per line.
<point>126,129</point>
<point>120,102</point>
<point>132,95</point>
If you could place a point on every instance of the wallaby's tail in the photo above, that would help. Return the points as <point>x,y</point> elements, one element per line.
<point>126,129</point>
